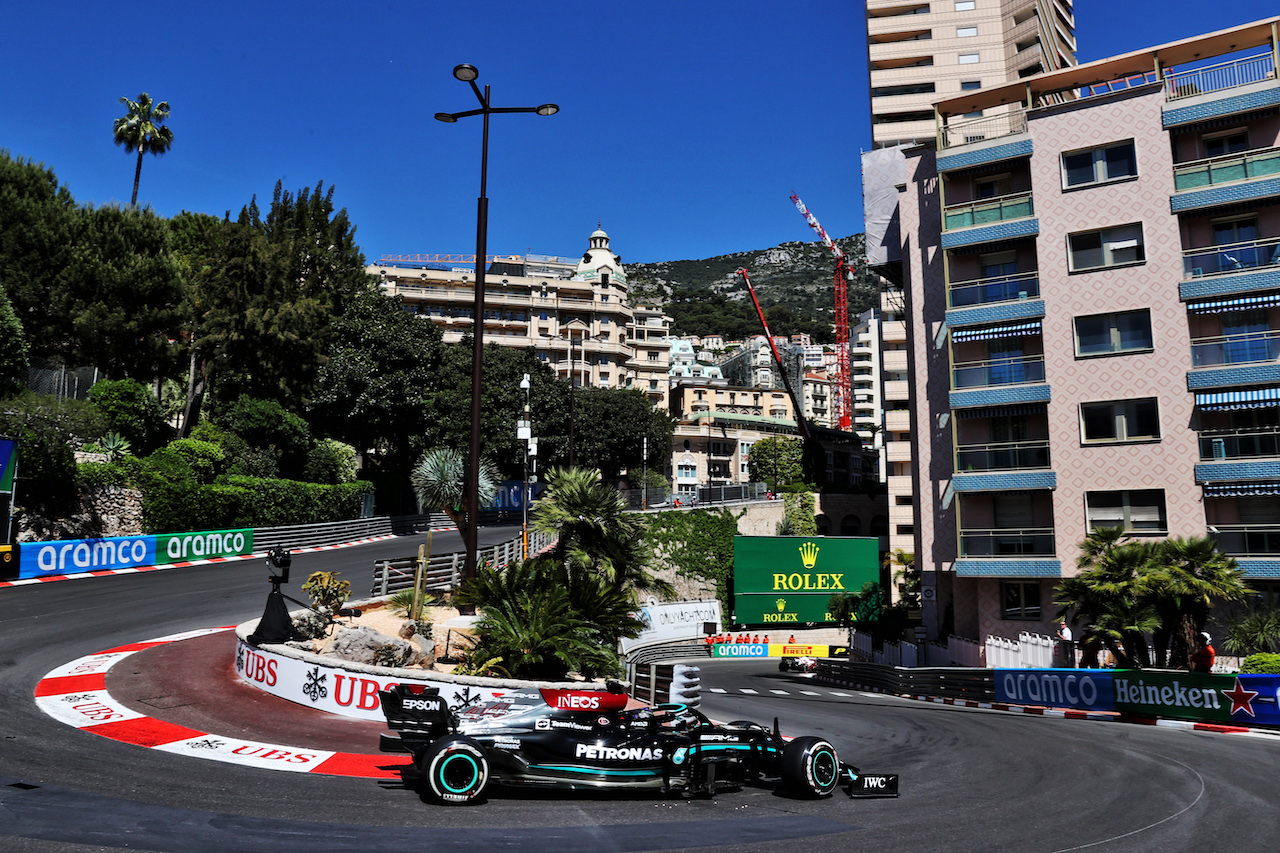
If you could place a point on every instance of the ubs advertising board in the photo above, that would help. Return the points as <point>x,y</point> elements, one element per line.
<point>790,579</point>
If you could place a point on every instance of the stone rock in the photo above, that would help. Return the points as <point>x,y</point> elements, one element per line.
<point>361,643</point>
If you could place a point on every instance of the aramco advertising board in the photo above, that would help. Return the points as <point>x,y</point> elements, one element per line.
<point>789,579</point>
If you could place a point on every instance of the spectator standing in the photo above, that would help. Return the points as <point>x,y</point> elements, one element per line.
<point>1203,657</point>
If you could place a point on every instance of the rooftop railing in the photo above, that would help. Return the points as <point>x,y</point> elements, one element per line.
<point>987,211</point>
<point>1229,258</point>
<point>1226,169</point>
<point>1215,78</point>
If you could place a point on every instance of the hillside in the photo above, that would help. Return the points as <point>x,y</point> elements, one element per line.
<point>792,280</point>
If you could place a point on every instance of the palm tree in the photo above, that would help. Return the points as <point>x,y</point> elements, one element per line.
<point>594,529</point>
<point>1114,593</point>
<point>142,128</point>
<point>1190,575</point>
<point>439,482</point>
<point>906,579</point>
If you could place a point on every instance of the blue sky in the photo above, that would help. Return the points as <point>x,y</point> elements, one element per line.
<point>684,126</point>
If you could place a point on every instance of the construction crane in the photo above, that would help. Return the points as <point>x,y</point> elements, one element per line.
<point>844,272</point>
<point>801,423</point>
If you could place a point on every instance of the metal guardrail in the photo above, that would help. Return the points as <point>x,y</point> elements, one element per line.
<point>444,571</point>
<point>669,652</point>
<point>336,532</point>
<point>975,684</point>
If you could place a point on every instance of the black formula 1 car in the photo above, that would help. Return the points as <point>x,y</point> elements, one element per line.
<point>589,739</point>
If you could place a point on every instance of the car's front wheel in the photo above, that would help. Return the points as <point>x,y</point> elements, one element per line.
<point>454,769</point>
<point>810,767</point>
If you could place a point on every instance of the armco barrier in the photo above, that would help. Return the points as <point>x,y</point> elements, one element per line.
<point>975,684</point>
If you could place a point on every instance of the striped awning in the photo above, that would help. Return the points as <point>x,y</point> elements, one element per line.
<point>1241,490</point>
<point>998,411</point>
<point>1241,303</point>
<point>1253,398</point>
<point>988,333</point>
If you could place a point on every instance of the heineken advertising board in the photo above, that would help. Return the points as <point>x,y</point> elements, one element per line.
<point>789,579</point>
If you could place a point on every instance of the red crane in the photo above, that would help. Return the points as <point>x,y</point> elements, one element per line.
<point>844,272</point>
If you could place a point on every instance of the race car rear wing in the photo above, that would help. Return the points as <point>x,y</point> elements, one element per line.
<point>418,713</point>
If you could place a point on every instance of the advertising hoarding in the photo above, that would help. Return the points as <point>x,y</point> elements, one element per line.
<point>788,580</point>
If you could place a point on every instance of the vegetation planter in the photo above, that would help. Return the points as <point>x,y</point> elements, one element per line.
<point>350,689</point>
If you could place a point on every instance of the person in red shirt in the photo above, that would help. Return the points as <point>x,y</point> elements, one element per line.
<point>1202,658</point>
<point>756,638</point>
<point>791,639</point>
<point>765,640</point>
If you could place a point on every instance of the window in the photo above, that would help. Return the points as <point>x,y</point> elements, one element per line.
<point>1120,420</point>
<point>1139,511</point>
<point>1220,144</point>
<point>687,472</point>
<point>1240,230</point>
<point>992,186</point>
<point>966,32</point>
<point>1110,247</point>
<point>968,59</point>
<point>1020,600</point>
<point>1099,165</point>
<point>965,5</point>
<point>1107,334</point>
<point>970,85</point>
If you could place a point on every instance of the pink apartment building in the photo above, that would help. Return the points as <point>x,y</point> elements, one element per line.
<point>1091,275</point>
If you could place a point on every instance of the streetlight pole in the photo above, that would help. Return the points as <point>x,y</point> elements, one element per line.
<point>468,74</point>
<point>524,432</point>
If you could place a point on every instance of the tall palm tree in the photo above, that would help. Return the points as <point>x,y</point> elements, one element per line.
<point>1190,575</point>
<point>1114,593</point>
<point>142,128</point>
<point>439,482</point>
<point>595,531</point>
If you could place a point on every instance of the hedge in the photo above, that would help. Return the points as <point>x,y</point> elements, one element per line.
<point>238,501</point>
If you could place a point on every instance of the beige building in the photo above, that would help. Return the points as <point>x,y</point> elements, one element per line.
<point>921,52</point>
<point>918,54</point>
<point>574,313</point>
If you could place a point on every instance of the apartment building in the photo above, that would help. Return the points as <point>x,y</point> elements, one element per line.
<point>920,52</point>
<point>1092,308</point>
<point>573,312</point>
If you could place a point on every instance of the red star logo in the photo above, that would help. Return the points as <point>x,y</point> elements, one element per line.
<point>1241,699</point>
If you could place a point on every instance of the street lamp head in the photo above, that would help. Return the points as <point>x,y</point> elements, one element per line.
<point>449,118</point>
<point>547,110</point>
<point>524,383</point>
<point>465,73</point>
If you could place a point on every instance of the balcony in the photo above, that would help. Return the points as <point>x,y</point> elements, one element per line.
<point>1009,542</point>
<point>1203,184</point>
<point>1244,348</point>
<point>1005,370</point>
<point>987,211</point>
<point>1247,540</point>
<point>1232,258</point>
<point>1002,456</point>
<point>985,291</point>
<point>1259,443</point>
<point>983,129</point>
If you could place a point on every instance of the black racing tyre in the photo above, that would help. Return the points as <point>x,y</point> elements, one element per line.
<point>454,769</point>
<point>782,666</point>
<point>810,767</point>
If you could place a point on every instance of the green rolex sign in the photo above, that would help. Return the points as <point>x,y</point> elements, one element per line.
<point>790,579</point>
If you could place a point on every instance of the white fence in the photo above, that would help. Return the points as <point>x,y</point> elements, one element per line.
<point>1029,651</point>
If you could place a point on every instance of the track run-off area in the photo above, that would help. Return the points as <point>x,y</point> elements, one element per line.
<point>971,778</point>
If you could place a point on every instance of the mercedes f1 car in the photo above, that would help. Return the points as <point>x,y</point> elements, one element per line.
<point>581,739</point>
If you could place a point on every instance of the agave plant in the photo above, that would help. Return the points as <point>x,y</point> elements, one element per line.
<point>439,482</point>
<point>116,446</point>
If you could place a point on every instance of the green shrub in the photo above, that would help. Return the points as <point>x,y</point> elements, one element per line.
<point>1265,662</point>
<point>123,473</point>
<point>235,501</point>
<point>266,425</point>
<point>204,458</point>
<point>48,430</point>
<point>132,411</point>
<point>328,594</point>
<point>331,462</point>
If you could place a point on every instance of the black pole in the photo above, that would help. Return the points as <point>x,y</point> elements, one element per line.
<point>572,396</point>
<point>477,354</point>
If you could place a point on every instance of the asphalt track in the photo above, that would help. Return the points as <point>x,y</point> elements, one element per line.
<point>972,779</point>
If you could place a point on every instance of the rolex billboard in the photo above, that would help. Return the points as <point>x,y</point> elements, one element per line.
<point>788,580</point>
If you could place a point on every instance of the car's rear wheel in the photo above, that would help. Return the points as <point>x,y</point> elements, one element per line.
<point>810,767</point>
<point>454,769</point>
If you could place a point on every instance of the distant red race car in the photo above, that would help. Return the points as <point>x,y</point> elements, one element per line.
<point>798,664</point>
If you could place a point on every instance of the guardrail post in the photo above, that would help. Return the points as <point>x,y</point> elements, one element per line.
<point>385,576</point>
